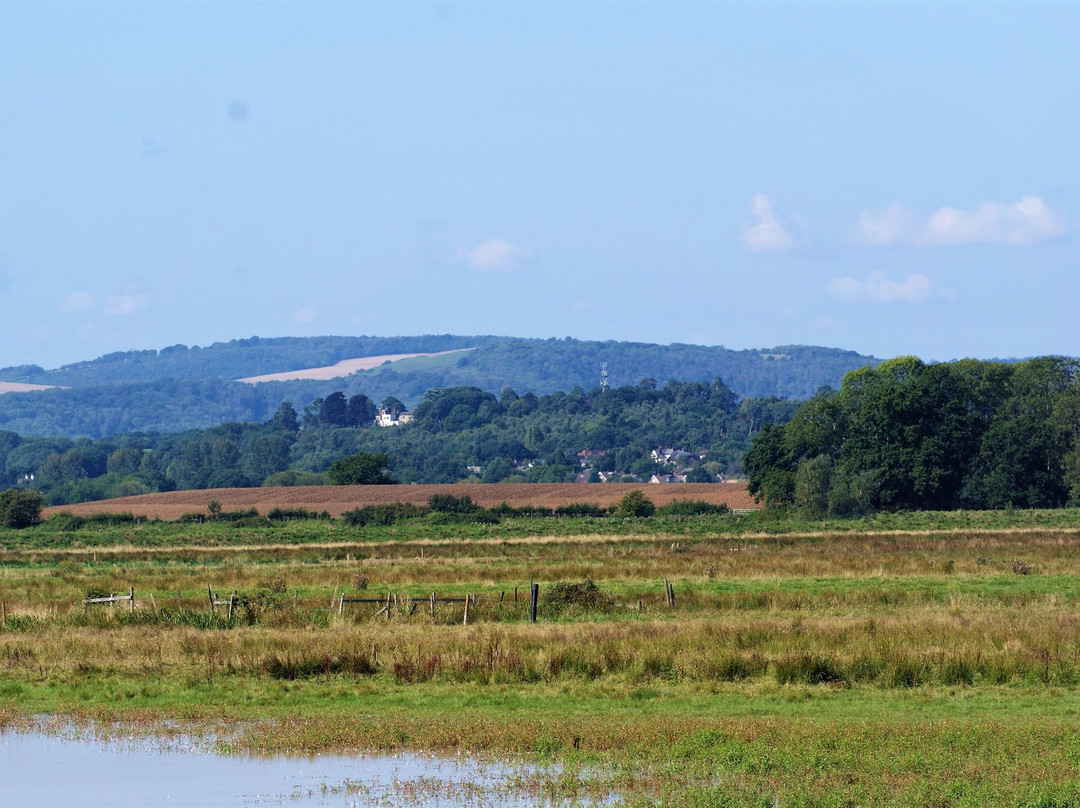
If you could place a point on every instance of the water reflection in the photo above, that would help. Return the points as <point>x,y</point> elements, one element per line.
<point>76,768</point>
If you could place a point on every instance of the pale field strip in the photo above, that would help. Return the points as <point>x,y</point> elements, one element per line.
<point>341,369</point>
<point>19,387</point>
<point>387,549</point>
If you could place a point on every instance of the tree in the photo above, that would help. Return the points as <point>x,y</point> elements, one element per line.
<point>332,411</point>
<point>635,504</point>
<point>285,419</point>
<point>360,411</point>
<point>19,509</point>
<point>362,468</point>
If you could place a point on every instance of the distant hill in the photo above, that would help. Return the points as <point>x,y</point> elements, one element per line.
<point>181,387</point>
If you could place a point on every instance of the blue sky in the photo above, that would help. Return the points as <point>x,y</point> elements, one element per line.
<point>892,178</point>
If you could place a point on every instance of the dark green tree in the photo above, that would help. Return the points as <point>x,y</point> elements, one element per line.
<point>362,468</point>
<point>19,509</point>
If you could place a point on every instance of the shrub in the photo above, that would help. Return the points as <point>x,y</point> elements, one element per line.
<point>636,504</point>
<point>448,503</point>
<point>287,514</point>
<point>581,509</point>
<point>69,521</point>
<point>478,517</point>
<point>19,509</point>
<point>561,596</point>
<point>691,507</point>
<point>503,510</point>
<point>382,515</point>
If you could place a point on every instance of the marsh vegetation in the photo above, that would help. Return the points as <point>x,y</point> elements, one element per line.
<point>904,659</point>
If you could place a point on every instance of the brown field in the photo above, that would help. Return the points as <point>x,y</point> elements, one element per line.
<point>340,369</point>
<point>336,499</point>
<point>19,387</point>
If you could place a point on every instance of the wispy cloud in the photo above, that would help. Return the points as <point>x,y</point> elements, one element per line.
<point>123,305</point>
<point>879,289</point>
<point>1029,221</point>
<point>304,315</point>
<point>767,233</point>
<point>76,302</point>
<point>495,255</point>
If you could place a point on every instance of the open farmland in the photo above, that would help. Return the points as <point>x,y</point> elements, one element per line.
<point>19,387</point>
<point>338,499</point>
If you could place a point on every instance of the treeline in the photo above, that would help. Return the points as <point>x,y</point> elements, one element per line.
<point>907,435</point>
<point>180,387</point>
<point>457,433</point>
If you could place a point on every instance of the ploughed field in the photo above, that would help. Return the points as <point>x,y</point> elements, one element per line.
<point>338,499</point>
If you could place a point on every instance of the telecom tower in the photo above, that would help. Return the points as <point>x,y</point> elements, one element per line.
<point>603,377</point>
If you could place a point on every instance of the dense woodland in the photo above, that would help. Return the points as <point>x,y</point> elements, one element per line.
<point>181,388</point>
<point>457,433</point>
<point>906,435</point>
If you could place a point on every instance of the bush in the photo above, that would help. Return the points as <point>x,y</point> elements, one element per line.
<point>19,509</point>
<point>478,517</point>
<point>69,521</point>
<point>288,514</point>
<point>586,595</point>
<point>581,509</point>
<point>448,503</point>
<point>691,507</point>
<point>636,504</point>
<point>382,515</point>
<point>506,511</point>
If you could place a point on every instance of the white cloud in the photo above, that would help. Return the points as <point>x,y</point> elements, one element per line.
<point>495,255</point>
<point>767,233</point>
<point>75,302</point>
<point>828,324</point>
<point>1022,223</point>
<point>122,305</point>
<point>879,289</point>
<point>304,315</point>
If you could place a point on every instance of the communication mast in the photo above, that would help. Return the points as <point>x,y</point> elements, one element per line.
<point>603,377</point>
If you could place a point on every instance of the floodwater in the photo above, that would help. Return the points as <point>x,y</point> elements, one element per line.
<point>72,768</point>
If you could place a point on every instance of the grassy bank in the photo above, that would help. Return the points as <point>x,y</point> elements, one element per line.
<point>927,659</point>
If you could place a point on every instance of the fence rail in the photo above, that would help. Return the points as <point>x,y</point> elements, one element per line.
<point>387,604</point>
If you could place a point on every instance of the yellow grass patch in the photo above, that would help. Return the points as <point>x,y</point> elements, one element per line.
<point>340,369</point>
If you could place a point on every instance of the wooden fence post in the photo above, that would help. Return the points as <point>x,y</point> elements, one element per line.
<point>465,619</point>
<point>179,603</point>
<point>532,605</point>
<point>210,595</point>
<point>133,600</point>
<point>433,605</point>
<point>388,607</point>
<point>232,600</point>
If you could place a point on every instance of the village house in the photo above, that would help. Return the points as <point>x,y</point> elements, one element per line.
<point>392,418</point>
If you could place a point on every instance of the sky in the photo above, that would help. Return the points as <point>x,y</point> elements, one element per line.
<point>889,178</point>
